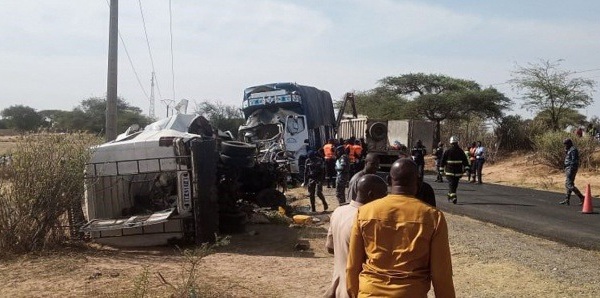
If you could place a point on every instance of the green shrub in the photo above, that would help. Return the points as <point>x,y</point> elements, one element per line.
<point>550,150</point>
<point>45,180</point>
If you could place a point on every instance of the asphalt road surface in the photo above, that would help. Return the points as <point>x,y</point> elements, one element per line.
<point>528,211</point>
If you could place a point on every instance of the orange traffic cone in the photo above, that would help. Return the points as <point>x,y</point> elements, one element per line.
<point>588,207</point>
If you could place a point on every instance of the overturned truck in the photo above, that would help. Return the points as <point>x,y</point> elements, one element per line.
<point>177,180</point>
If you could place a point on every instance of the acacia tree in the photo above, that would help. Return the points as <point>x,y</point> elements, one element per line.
<point>439,97</point>
<point>546,87</point>
<point>22,118</point>
<point>379,103</point>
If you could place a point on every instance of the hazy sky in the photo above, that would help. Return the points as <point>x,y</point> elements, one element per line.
<point>53,54</point>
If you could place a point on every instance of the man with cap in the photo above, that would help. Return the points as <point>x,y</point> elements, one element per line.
<point>399,244</point>
<point>313,177</point>
<point>571,167</point>
<point>455,163</point>
<point>370,187</point>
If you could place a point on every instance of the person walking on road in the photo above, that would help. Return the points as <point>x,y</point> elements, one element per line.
<point>313,177</point>
<point>479,161</point>
<point>571,167</point>
<point>455,163</point>
<point>369,188</point>
<point>399,244</point>
<point>437,155</point>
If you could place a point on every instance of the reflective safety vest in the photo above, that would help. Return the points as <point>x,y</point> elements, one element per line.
<point>329,151</point>
<point>355,153</point>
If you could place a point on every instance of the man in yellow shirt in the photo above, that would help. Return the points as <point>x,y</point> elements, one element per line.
<point>398,244</point>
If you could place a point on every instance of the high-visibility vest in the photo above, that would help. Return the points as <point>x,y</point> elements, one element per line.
<point>351,153</point>
<point>329,151</point>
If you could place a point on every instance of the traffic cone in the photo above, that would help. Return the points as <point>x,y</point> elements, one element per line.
<point>588,207</point>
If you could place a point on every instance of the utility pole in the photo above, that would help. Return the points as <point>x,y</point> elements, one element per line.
<point>151,108</point>
<point>111,88</point>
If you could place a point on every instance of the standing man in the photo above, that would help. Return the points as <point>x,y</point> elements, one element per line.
<point>398,244</point>
<point>470,152</point>
<point>313,177</point>
<point>342,166</point>
<point>418,153</point>
<point>371,167</point>
<point>571,167</point>
<point>370,188</point>
<point>479,161</point>
<point>455,163</point>
<point>437,155</point>
<point>329,153</point>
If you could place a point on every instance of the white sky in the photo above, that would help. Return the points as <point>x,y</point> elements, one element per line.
<point>53,54</point>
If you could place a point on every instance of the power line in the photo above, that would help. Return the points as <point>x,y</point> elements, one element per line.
<point>137,77</point>
<point>149,48</point>
<point>171,35</point>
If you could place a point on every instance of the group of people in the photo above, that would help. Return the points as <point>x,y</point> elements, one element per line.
<point>335,163</point>
<point>389,245</point>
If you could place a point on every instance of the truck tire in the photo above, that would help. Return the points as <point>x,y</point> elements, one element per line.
<point>235,148</point>
<point>378,131</point>
<point>238,161</point>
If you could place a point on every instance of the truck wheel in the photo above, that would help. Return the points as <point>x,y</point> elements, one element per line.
<point>238,161</point>
<point>378,131</point>
<point>235,148</point>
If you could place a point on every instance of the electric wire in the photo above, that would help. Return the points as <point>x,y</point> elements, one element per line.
<point>172,58</point>
<point>137,77</point>
<point>149,48</point>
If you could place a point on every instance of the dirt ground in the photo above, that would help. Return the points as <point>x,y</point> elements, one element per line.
<point>488,261</point>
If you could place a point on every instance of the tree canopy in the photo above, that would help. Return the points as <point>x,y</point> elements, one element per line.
<point>221,116</point>
<point>547,87</point>
<point>22,118</point>
<point>437,98</point>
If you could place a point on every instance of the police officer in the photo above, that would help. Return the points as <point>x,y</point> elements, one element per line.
<point>571,167</point>
<point>313,175</point>
<point>342,166</point>
<point>455,163</point>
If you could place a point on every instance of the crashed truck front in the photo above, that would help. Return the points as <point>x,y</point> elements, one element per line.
<point>283,119</point>
<point>140,188</point>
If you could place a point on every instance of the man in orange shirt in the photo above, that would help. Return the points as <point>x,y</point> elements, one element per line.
<point>329,155</point>
<point>398,244</point>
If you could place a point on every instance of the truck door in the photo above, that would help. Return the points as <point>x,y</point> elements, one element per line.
<point>294,134</point>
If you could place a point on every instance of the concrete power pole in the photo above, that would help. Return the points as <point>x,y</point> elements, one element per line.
<point>151,108</point>
<point>111,88</point>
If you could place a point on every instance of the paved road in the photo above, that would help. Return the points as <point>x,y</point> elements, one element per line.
<point>529,211</point>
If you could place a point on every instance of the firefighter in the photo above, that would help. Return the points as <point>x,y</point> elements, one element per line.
<point>329,153</point>
<point>418,153</point>
<point>455,163</point>
<point>437,155</point>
